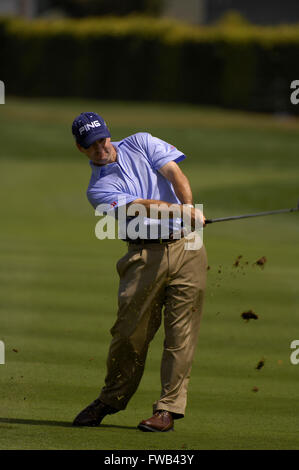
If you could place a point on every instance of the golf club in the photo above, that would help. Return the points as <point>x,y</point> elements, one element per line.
<point>257,214</point>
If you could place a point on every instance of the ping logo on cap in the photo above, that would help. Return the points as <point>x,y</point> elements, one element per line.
<point>87,127</point>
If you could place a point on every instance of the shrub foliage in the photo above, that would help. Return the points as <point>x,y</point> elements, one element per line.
<point>141,58</point>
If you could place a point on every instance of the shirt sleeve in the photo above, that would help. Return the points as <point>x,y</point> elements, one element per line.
<point>108,201</point>
<point>161,152</point>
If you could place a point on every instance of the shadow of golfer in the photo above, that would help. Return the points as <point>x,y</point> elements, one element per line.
<point>64,424</point>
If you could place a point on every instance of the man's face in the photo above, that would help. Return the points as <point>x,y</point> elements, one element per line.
<point>101,152</point>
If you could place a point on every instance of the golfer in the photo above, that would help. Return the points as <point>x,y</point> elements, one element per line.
<point>157,274</point>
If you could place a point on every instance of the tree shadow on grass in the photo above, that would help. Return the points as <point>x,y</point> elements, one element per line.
<point>64,424</point>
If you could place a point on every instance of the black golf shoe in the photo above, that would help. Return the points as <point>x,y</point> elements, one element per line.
<point>93,414</point>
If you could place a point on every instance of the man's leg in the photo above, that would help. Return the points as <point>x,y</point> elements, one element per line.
<point>141,290</point>
<point>183,311</point>
<point>142,274</point>
<point>126,361</point>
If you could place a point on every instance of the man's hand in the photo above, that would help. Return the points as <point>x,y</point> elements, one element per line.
<point>197,218</point>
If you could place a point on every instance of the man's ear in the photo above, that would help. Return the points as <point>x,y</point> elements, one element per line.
<point>79,147</point>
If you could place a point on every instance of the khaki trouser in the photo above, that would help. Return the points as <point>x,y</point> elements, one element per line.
<point>153,276</point>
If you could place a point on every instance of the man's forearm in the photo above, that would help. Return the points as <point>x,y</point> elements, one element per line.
<point>157,209</point>
<point>172,172</point>
<point>163,210</point>
<point>183,190</point>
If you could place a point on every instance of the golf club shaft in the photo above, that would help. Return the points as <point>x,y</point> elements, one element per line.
<point>258,214</point>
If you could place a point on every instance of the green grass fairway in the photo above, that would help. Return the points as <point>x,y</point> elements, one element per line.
<point>59,282</point>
